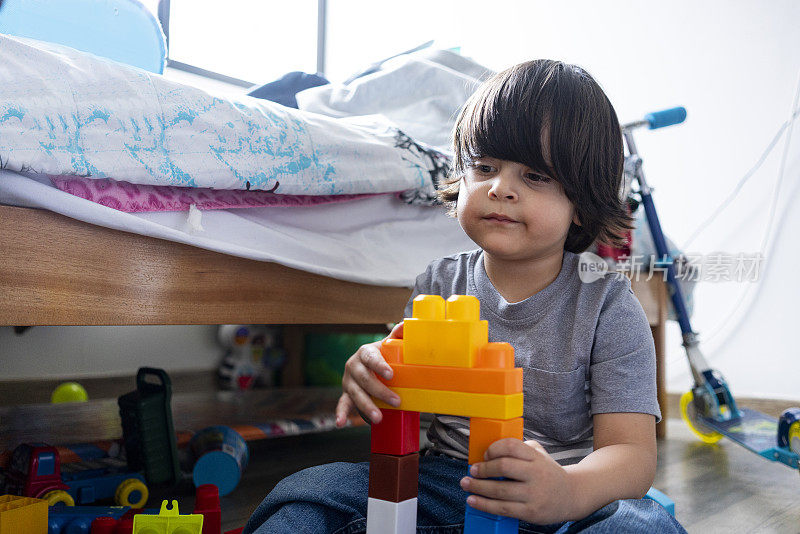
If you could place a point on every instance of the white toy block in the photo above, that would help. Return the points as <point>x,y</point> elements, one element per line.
<point>384,517</point>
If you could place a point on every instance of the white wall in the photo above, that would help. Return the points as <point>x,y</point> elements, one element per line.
<point>74,352</point>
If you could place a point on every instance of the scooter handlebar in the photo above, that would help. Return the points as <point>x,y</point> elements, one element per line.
<point>666,117</point>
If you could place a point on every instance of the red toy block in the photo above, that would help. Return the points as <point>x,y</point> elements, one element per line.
<point>397,433</point>
<point>125,526</point>
<point>104,525</point>
<point>483,432</point>
<point>207,503</point>
<point>393,478</point>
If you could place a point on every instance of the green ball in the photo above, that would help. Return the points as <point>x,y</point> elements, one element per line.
<point>69,392</point>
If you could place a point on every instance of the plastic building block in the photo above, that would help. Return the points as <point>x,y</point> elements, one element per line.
<point>104,525</point>
<point>451,339</point>
<point>22,514</point>
<point>168,521</point>
<point>125,526</point>
<point>147,427</point>
<point>206,503</point>
<point>495,355</point>
<point>384,517</point>
<point>662,499</point>
<point>457,403</point>
<point>483,432</point>
<point>393,478</point>
<point>397,433</point>
<point>475,380</point>
<point>477,522</point>
<point>80,519</point>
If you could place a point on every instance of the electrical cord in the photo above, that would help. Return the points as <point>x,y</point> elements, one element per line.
<point>767,242</point>
<point>733,194</point>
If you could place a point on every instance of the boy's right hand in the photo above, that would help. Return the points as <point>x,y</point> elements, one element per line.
<point>360,383</point>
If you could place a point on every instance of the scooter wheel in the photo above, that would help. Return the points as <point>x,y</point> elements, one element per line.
<point>794,437</point>
<point>692,420</point>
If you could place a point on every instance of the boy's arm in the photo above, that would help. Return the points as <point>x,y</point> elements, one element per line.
<point>622,466</point>
<point>541,491</point>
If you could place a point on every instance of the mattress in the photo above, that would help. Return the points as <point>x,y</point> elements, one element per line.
<point>377,240</point>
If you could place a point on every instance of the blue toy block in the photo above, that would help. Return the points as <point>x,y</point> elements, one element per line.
<point>473,511</point>
<point>78,519</point>
<point>663,500</point>
<point>477,522</point>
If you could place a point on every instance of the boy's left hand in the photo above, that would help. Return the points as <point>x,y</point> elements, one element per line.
<point>537,489</point>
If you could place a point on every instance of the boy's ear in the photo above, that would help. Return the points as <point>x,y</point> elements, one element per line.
<point>575,218</point>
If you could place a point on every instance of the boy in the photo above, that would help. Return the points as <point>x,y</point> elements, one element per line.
<point>537,169</point>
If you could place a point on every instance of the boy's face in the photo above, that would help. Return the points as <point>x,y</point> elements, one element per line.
<point>512,212</point>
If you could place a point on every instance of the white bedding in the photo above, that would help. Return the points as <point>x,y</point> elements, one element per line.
<point>66,112</point>
<point>377,240</point>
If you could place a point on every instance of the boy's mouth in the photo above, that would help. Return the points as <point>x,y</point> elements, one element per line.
<point>498,218</point>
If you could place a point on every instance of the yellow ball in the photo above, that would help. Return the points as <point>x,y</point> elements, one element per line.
<point>69,392</point>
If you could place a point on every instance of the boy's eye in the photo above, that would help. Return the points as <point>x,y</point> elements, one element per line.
<point>483,168</point>
<point>533,177</point>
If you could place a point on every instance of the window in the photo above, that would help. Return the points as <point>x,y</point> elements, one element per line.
<point>47,464</point>
<point>241,41</point>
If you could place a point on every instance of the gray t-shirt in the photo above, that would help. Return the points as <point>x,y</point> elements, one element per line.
<point>585,348</point>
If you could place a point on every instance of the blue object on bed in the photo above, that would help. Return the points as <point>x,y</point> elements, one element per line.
<point>122,30</point>
<point>284,89</point>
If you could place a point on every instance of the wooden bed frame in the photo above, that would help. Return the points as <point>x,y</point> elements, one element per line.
<point>55,270</point>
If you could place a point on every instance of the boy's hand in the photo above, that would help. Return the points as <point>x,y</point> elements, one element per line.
<point>359,382</point>
<point>538,489</point>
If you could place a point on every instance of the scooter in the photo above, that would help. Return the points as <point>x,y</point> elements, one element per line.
<point>709,408</point>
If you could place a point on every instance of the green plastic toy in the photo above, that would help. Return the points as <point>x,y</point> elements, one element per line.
<point>168,521</point>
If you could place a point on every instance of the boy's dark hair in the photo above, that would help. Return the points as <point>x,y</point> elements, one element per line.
<point>505,119</point>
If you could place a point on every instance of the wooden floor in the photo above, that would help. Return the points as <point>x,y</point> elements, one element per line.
<point>717,488</point>
<point>725,488</point>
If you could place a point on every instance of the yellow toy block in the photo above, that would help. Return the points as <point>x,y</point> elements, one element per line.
<point>445,334</point>
<point>22,514</point>
<point>168,521</point>
<point>457,403</point>
<point>484,431</point>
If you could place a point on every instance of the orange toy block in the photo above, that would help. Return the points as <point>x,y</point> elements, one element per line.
<point>495,372</point>
<point>23,514</point>
<point>457,403</point>
<point>444,334</point>
<point>483,432</point>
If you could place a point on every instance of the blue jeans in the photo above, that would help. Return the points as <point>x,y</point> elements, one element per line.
<point>332,499</point>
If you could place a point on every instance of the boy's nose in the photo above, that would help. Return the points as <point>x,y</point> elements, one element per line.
<point>502,188</point>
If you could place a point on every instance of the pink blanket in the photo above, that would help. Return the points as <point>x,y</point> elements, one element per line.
<point>125,196</point>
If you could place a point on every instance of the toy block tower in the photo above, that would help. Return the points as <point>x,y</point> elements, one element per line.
<point>446,365</point>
